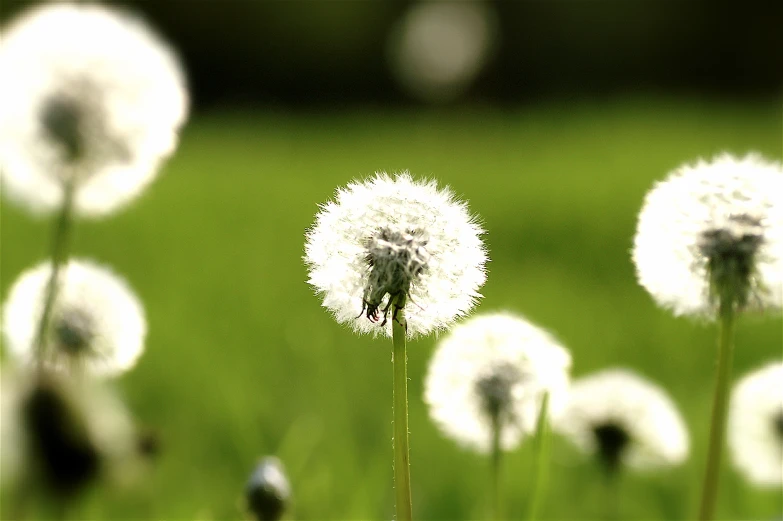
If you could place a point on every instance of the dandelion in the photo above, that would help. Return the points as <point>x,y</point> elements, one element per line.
<point>400,257</point>
<point>91,101</point>
<point>487,381</point>
<point>709,243</point>
<point>268,492</point>
<point>438,49</point>
<point>69,434</point>
<point>624,420</point>
<point>755,433</point>
<point>709,225</point>
<point>391,241</point>
<point>97,323</point>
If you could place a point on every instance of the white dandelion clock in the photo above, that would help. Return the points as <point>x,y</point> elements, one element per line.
<point>624,420</point>
<point>13,446</point>
<point>755,432</point>
<point>713,225</point>
<point>495,365</point>
<point>390,242</point>
<point>97,323</point>
<point>91,100</point>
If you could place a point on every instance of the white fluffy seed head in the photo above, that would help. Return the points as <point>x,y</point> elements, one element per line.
<point>640,414</point>
<point>707,207</point>
<point>97,322</point>
<point>91,96</point>
<point>392,235</point>
<point>755,431</point>
<point>495,363</point>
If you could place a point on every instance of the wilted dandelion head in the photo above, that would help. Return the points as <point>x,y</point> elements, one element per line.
<point>268,492</point>
<point>389,242</point>
<point>755,431</point>
<point>495,367</point>
<point>437,49</point>
<point>711,228</point>
<point>97,323</point>
<point>90,96</point>
<point>624,420</point>
<point>68,434</point>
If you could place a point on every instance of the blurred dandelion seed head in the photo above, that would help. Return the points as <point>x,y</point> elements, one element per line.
<point>755,426</point>
<point>90,96</point>
<point>67,433</point>
<point>392,238</point>
<point>268,491</point>
<point>97,322</point>
<point>495,364</point>
<point>624,420</point>
<point>712,227</point>
<point>438,49</point>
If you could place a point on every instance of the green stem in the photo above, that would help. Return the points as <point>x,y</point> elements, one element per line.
<point>497,503</point>
<point>402,472</point>
<point>540,468</point>
<point>611,496</point>
<point>719,406</point>
<point>59,255</point>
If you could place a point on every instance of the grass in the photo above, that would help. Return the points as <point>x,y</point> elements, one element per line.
<point>241,360</point>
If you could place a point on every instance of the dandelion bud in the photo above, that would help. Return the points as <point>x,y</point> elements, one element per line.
<point>390,243</point>
<point>268,491</point>
<point>755,429</point>
<point>624,420</point>
<point>97,322</point>
<point>495,369</point>
<point>711,234</point>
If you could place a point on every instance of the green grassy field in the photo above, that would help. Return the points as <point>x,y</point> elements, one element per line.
<point>242,361</point>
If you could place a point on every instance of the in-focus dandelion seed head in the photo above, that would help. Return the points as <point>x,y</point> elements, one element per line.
<point>624,420</point>
<point>755,426</point>
<point>90,96</point>
<point>97,322</point>
<point>394,239</point>
<point>713,227</point>
<point>491,364</point>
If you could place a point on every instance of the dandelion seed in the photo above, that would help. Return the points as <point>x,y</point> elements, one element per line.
<point>268,492</point>
<point>97,322</point>
<point>89,97</point>
<point>393,242</point>
<point>713,227</point>
<point>495,365</point>
<point>755,433</point>
<point>625,421</point>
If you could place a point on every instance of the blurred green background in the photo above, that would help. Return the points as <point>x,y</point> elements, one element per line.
<point>241,360</point>
<point>554,142</point>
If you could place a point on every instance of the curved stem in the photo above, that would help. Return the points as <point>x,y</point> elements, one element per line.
<point>541,460</point>
<point>402,474</point>
<point>59,255</point>
<point>497,503</point>
<point>719,406</point>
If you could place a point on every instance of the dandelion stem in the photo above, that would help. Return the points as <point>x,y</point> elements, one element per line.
<point>497,503</point>
<point>59,255</point>
<point>402,473</point>
<point>541,461</point>
<point>719,405</point>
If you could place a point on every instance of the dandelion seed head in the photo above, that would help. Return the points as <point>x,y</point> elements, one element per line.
<point>393,237</point>
<point>755,426</point>
<point>712,224</point>
<point>624,420</point>
<point>268,491</point>
<point>491,364</point>
<point>90,96</point>
<point>96,323</point>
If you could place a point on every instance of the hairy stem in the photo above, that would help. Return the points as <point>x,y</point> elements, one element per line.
<point>402,473</point>
<point>540,468</point>
<point>719,406</point>
<point>59,255</point>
